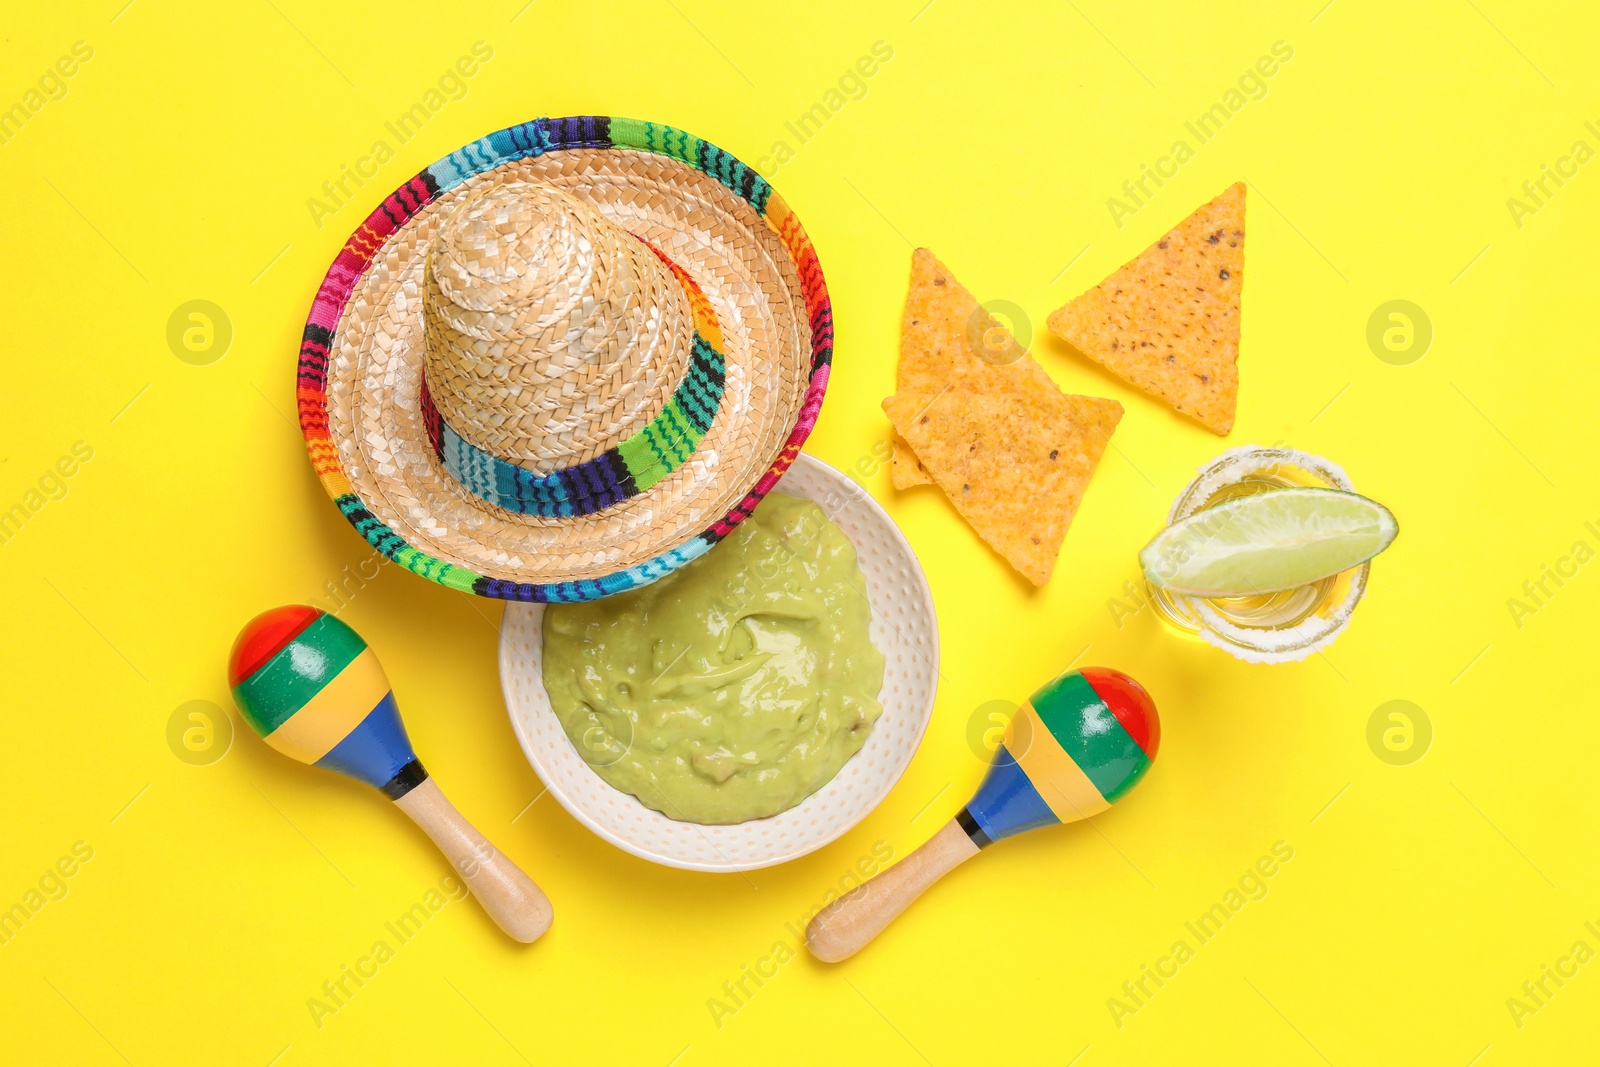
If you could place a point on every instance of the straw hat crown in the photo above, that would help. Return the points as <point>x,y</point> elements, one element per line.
<point>551,334</point>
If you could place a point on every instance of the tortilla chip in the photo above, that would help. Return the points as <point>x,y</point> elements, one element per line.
<point>905,469</point>
<point>1168,319</point>
<point>1015,463</point>
<point>948,340</point>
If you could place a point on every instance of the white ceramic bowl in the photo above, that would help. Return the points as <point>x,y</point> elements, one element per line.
<point>903,628</point>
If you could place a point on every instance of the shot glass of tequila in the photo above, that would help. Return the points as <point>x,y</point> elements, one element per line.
<point>1269,627</point>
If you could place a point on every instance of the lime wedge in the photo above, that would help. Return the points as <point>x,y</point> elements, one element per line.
<point>1279,539</point>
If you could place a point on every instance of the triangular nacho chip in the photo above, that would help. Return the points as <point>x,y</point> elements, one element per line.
<point>905,469</point>
<point>948,340</point>
<point>1168,319</point>
<point>1014,463</point>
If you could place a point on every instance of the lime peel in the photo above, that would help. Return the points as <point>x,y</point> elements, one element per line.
<point>1271,541</point>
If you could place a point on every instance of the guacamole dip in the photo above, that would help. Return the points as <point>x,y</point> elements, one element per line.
<point>731,689</point>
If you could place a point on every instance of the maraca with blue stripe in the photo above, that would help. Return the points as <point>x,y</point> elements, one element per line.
<point>310,686</point>
<point>1079,744</point>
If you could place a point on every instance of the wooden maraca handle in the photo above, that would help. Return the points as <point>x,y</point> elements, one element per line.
<point>844,927</point>
<point>513,901</point>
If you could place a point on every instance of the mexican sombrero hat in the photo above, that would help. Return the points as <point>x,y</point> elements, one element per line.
<point>565,359</point>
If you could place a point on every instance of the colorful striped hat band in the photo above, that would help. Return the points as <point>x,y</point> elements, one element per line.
<point>1077,745</point>
<point>565,360</point>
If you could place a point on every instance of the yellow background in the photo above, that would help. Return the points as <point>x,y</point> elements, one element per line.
<point>178,167</point>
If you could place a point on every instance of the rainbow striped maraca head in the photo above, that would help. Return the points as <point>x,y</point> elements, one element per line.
<point>1079,744</point>
<point>311,687</point>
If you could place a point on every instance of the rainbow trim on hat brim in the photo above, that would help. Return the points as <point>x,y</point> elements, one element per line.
<point>530,139</point>
<point>645,457</point>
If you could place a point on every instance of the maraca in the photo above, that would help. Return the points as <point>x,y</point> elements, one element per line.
<point>1076,747</point>
<point>311,687</point>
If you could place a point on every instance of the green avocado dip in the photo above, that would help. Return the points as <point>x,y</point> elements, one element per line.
<point>731,689</point>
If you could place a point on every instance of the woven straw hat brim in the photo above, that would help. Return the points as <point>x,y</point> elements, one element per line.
<point>360,370</point>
